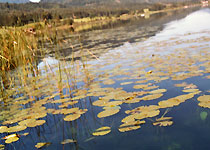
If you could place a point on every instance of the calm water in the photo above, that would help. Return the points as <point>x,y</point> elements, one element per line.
<point>171,54</point>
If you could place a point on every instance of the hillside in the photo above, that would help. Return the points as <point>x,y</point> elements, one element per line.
<point>14,1</point>
<point>94,2</point>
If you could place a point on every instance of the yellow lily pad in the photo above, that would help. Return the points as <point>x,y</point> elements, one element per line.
<point>204,98</point>
<point>100,102</point>
<point>66,141</point>
<point>102,131</point>
<point>134,100</point>
<point>204,104</point>
<point>113,103</point>
<point>40,145</point>
<point>69,111</point>
<point>109,82</point>
<point>107,112</point>
<point>36,123</point>
<point>129,118</point>
<point>11,138</point>
<point>190,90</point>
<point>129,126</point>
<point>163,123</point>
<point>152,97</point>
<point>126,83</point>
<point>141,86</point>
<point>2,147</point>
<point>25,122</point>
<point>17,128</point>
<point>147,114</point>
<point>163,118</point>
<point>169,103</point>
<point>3,129</point>
<point>72,117</point>
<point>158,91</point>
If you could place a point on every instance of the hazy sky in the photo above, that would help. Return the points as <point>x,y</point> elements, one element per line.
<point>35,1</point>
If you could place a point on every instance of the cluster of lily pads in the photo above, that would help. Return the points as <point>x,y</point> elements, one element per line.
<point>135,79</point>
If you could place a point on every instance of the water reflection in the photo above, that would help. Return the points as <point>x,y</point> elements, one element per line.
<point>104,38</point>
<point>195,22</point>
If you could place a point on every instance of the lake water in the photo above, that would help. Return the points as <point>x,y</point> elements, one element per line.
<point>147,83</point>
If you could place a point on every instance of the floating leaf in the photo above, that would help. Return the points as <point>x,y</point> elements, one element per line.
<point>169,103</point>
<point>163,121</point>
<point>107,112</point>
<point>40,145</point>
<point>126,83</point>
<point>204,104</point>
<point>128,126</point>
<point>129,118</point>
<point>109,82</point>
<point>112,107</point>
<point>147,114</point>
<point>66,141</point>
<point>39,115</point>
<point>150,72</point>
<point>3,129</point>
<point>36,123</point>
<point>142,109</point>
<point>183,84</point>
<point>25,122</point>
<point>66,104</point>
<point>72,117</point>
<point>158,91</point>
<point>141,86</point>
<point>183,98</point>
<point>152,97</point>
<point>61,100</point>
<point>113,103</point>
<point>69,111</point>
<point>102,131</point>
<point>82,111</point>
<point>135,100</point>
<point>17,128</point>
<point>100,102</point>
<point>2,147</point>
<point>164,118</point>
<point>141,81</point>
<point>190,90</point>
<point>25,134</point>
<point>11,138</point>
<point>204,98</point>
<point>151,87</point>
<point>190,86</point>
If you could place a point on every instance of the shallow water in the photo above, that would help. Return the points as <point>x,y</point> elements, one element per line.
<point>121,80</point>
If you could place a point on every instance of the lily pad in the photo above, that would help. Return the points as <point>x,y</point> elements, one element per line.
<point>11,138</point>
<point>36,123</point>
<point>129,126</point>
<point>107,112</point>
<point>72,117</point>
<point>66,141</point>
<point>102,131</point>
<point>40,145</point>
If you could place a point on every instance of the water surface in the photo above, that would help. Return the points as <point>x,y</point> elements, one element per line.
<point>134,77</point>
